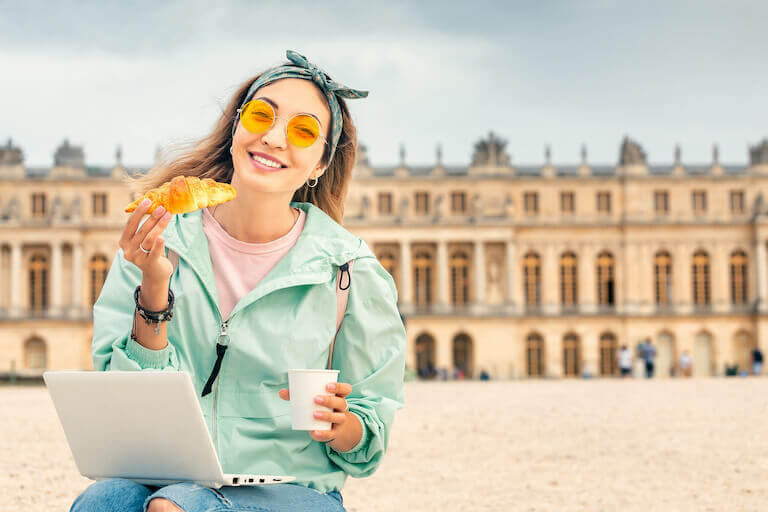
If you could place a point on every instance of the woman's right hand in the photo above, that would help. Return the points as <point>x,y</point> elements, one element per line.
<point>154,266</point>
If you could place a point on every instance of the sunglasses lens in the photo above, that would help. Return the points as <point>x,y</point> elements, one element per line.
<point>303,131</point>
<point>257,116</point>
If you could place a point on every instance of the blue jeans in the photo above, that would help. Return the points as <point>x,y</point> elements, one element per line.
<point>122,495</point>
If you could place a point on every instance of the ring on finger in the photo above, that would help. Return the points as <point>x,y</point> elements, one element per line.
<point>143,249</point>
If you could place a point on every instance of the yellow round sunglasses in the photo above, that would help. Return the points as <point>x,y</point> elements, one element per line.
<point>301,130</point>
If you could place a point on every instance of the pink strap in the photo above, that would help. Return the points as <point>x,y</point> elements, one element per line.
<point>341,308</point>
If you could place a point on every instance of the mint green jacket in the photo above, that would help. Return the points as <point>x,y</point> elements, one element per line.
<point>286,321</point>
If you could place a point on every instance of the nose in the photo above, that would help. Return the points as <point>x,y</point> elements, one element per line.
<point>275,136</point>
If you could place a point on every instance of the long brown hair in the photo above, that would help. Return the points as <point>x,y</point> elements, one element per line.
<point>209,157</point>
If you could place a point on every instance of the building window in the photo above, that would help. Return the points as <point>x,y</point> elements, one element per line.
<point>534,350</point>
<point>459,278</point>
<point>661,202</point>
<point>38,205</point>
<point>98,273</point>
<point>35,357</point>
<point>738,277</point>
<point>385,203</point>
<point>605,279</point>
<point>99,204</point>
<point>462,354</point>
<point>662,271</point>
<point>567,203</point>
<point>425,356</point>
<point>604,202</point>
<point>532,279</point>
<point>699,198</point>
<point>568,283</point>
<point>422,274</point>
<point>422,203</point>
<point>737,201</point>
<point>387,260</point>
<point>38,282</point>
<point>571,355</point>
<point>701,279</point>
<point>458,202</point>
<point>608,348</point>
<point>531,203</point>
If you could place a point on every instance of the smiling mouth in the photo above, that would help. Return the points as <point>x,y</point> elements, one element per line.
<point>265,162</point>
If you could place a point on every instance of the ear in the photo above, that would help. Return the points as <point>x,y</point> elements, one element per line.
<point>318,171</point>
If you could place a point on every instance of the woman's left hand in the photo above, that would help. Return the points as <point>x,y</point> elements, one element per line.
<point>346,429</point>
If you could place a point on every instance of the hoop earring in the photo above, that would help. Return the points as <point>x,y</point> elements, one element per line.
<point>313,186</point>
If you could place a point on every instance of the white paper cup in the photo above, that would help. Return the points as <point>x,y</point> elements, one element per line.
<point>304,386</point>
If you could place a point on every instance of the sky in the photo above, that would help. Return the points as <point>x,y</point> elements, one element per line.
<point>560,73</point>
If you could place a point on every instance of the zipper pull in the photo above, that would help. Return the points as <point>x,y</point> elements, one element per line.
<point>222,342</point>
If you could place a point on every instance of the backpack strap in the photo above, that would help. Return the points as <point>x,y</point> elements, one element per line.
<point>342,294</point>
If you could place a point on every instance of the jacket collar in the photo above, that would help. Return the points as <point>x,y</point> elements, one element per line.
<point>322,245</point>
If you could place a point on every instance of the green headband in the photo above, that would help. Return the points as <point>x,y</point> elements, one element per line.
<point>302,68</point>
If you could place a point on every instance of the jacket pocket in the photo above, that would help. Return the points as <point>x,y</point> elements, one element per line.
<point>249,404</point>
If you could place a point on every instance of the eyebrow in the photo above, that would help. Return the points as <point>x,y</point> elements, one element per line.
<point>271,102</point>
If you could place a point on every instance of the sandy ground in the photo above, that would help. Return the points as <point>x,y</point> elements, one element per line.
<point>699,445</point>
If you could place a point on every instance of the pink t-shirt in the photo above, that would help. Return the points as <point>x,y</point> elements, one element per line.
<point>239,266</point>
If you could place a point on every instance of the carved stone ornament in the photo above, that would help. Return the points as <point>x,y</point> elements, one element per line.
<point>631,153</point>
<point>491,152</point>
<point>758,154</point>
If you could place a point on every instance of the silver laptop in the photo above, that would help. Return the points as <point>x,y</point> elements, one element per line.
<point>146,426</point>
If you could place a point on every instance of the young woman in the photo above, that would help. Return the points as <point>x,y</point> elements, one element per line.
<point>258,275</point>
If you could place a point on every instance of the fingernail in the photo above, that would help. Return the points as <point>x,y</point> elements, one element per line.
<point>167,216</point>
<point>159,211</point>
<point>331,387</point>
<point>318,414</point>
<point>146,202</point>
<point>319,399</point>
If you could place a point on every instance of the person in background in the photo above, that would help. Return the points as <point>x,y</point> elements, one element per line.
<point>624,360</point>
<point>685,364</point>
<point>649,354</point>
<point>757,361</point>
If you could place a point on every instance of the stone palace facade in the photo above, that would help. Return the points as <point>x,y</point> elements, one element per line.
<point>522,272</point>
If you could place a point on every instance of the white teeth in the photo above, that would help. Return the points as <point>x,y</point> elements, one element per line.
<point>263,161</point>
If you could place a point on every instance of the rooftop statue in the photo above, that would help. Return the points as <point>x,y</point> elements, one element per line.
<point>490,152</point>
<point>631,153</point>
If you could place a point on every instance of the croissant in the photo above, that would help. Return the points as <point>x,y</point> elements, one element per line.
<point>184,194</point>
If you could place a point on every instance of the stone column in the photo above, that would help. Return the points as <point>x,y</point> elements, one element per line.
<point>406,275</point>
<point>55,305</point>
<point>512,287</point>
<point>442,276</point>
<point>762,285</point>
<point>479,274</point>
<point>682,278</point>
<point>587,280</point>
<point>77,279</point>
<point>16,307</point>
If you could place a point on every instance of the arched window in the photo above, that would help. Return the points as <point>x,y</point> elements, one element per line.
<point>462,354</point>
<point>422,270</point>
<point>38,282</point>
<point>532,279</point>
<point>605,279</point>
<point>662,271</point>
<point>425,356</point>
<point>608,348</point>
<point>738,277</point>
<point>743,345</point>
<point>534,350</point>
<point>571,355</point>
<point>568,280</point>
<point>459,264</point>
<point>701,280</point>
<point>35,354</point>
<point>98,269</point>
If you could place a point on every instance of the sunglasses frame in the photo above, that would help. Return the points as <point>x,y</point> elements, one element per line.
<point>275,117</point>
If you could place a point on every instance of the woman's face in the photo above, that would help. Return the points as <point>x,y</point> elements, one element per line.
<point>291,96</point>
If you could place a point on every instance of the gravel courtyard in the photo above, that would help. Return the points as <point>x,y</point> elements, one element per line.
<point>667,445</point>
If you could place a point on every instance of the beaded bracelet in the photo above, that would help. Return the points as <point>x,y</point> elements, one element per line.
<point>154,316</point>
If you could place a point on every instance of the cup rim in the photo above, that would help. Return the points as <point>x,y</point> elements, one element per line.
<point>310,370</point>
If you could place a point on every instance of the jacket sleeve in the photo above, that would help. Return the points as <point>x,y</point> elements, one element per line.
<point>113,348</point>
<point>370,355</point>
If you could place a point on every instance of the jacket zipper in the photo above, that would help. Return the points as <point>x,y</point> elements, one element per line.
<point>223,336</point>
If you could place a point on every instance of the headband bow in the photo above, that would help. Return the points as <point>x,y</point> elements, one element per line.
<point>302,68</point>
